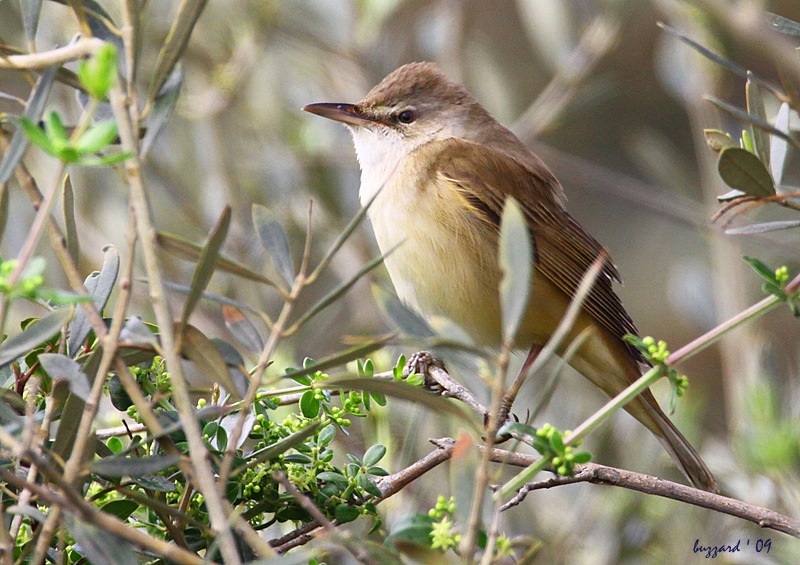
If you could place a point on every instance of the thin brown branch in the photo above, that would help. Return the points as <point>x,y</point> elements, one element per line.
<point>647,484</point>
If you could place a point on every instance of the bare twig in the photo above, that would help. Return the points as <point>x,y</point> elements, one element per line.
<point>33,61</point>
<point>647,484</point>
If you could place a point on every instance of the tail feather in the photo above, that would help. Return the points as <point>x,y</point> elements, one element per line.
<point>679,447</point>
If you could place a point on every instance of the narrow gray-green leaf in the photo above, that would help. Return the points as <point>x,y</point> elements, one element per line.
<point>340,290</point>
<point>70,226</point>
<point>31,9</point>
<point>62,368</point>
<point>342,357</point>
<point>99,286</point>
<point>163,105</point>
<point>402,390</point>
<point>3,209</point>
<point>516,264</point>
<point>242,328</point>
<point>749,119</point>
<point>345,235</point>
<point>99,545</point>
<point>33,111</point>
<point>135,331</point>
<point>404,318</point>
<point>722,61</point>
<point>208,360</point>
<point>184,289</point>
<point>742,170</point>
<point>189,251</point>
<point>34,335</point>
<point>783,25</point>
<point>277,448</point>
<point>207,262</point>
<point>273,238</point>
<point>763,228</point>
<point>29,511</point>
<point>134,467</point>
<point>179,34</point>
<point>755,107</point>
<point>731,195</point>
<point>779,148</point>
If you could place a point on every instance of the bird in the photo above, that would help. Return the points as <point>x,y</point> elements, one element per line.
<point>436,170</point>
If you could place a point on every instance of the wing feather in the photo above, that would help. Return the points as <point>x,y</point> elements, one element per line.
<point>564,251</point>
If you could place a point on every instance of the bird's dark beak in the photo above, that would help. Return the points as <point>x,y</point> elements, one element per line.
<point>345,113</point>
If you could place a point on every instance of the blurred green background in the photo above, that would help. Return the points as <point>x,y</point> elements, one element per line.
<point>610,101</point>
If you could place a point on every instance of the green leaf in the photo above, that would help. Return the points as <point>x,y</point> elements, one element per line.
<point>326,436</point>
<point>374,454</point>
<point>62,368</point>
<point>70,225</point>
<point>33,112</point>
<point>366,484</point>
<point>122,509</point>
<point>516,264</point>
<point>581,458</point>
<point>761,269</point>
<point>97,137</point>
<point>34,335</point>
<point>54,127</point>
<point>742,170</point>
<point>133,466</point>
<point>206,263</point>
<point>309,404</point>
<point>345,513</point>
<point>99,72</point>
<point>105,160</point>
<point>273,238</point>
<point>332,477</point>
<point>117,395</point>
<point>718,140</point>
<point>36,135</point>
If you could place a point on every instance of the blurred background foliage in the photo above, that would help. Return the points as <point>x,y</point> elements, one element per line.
<point>611,102</point>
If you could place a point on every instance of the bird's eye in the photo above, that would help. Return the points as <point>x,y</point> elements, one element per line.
<point>406,117</point>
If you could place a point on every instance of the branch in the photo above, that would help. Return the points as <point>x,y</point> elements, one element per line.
<point>31,61</point>
<point>647,484</point>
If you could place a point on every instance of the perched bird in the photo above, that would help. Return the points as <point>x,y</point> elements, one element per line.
<point>442,168</point>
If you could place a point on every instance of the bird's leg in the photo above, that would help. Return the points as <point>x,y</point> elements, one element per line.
<point>511,395</point>
<point>439,381</point>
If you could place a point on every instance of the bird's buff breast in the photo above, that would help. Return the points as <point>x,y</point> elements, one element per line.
<point>444,263</point>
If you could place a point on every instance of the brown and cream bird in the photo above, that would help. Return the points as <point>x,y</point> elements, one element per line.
<point>442,168</point>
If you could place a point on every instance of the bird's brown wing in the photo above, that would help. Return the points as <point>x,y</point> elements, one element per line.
<point>564,251</point>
